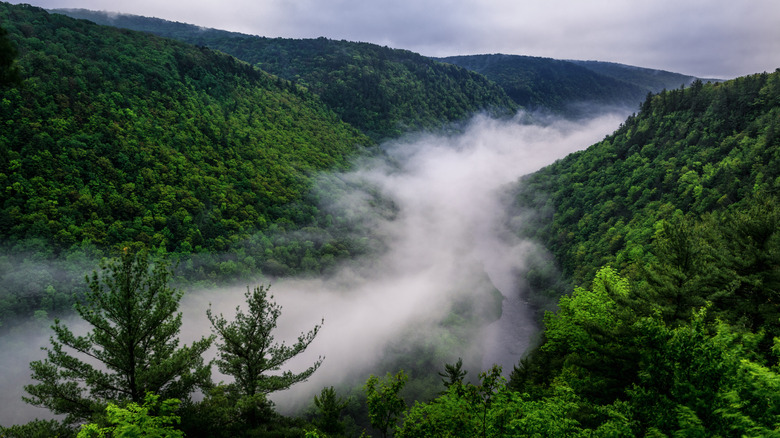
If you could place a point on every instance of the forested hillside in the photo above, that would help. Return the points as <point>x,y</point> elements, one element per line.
<point>379,90</point>
<point>651,80</point>
<point>552,84</point>
<point>115,136</point>
<point>120,143</point>
<point>691,151</point>
<point>672,227</point>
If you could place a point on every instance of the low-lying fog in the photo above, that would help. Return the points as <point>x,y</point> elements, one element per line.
<point>445,244</point>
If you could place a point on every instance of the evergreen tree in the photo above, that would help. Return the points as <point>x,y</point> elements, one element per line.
<point>131,349</point>
<point>330,406</point>
<point>453,373</point>
<point>247,351</point>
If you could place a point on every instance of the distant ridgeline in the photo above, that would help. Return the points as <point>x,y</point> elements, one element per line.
<point>115,136</point>
<point>558,85</point>
<point>702,154</point>
<point>383,92</point>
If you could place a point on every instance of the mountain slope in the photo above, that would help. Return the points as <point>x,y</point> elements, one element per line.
<point>379,90</point>
<point>652,80</point>
<point>119,136</point>
<point>672,226</point>
<point>559,85</point>
<point>693,151</point>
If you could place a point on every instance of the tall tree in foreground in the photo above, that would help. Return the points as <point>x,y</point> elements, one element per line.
<point>247,352</point>
<point>132,348</point>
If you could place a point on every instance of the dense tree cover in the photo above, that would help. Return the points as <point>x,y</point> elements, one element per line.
<point>670,226</point>
<point>705,148</point>
<point>652,80</point>
<point>115,136</point>
<point>682,201</point>
<point>382,91</point>
<point>558,85</point>
<point>9,71</point>
<point>118,136</point>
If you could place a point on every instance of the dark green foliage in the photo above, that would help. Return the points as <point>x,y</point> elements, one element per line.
<point>643,376</point>
<point>651,80</point>
<point>134,337</point>
<point>329,407</point>
<point>382,91</point>
<point>557,85</point>
<point>9,72</point>
<point>682,199</point>
<point>248,353</point>
<point>153,140</point>
<point>38,429</point>
<point>116,136</point>
<point>223,414</point>
<point>692,150</point>
<point>453,373</point>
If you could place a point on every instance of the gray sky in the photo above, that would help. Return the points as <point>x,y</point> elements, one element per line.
<point>705,38</point>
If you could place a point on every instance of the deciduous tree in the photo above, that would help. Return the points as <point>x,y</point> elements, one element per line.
<point>384,404</point>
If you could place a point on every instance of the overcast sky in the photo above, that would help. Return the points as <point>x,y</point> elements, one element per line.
<point>705,38</point>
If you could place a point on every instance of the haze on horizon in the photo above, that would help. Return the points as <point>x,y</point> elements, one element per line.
<point>709,39</point>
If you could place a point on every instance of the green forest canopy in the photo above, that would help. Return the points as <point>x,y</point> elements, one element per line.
<point>117,137</point>
<point>381,91</point>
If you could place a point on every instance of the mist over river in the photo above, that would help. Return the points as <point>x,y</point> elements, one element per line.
<point>444,245</point>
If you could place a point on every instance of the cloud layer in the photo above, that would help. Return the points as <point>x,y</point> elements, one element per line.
<point>713,38</point>
<point>444,244</point>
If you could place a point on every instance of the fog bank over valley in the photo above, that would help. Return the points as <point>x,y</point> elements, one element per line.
<point>435,204</point>
<point>446,248</point>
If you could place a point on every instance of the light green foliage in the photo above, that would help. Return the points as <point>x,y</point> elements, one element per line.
<point>385,405</point>
<point>699,378</point>
<point>592,334</point>
<point>154,419</point>
<point>134,336</point>
<point>569,328</point>
<point>490,409</point>
<point>630,375</point>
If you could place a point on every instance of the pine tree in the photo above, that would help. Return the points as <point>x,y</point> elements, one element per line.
<point>247,351</point>
<point>330,406</point>
<point>132,348</point>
